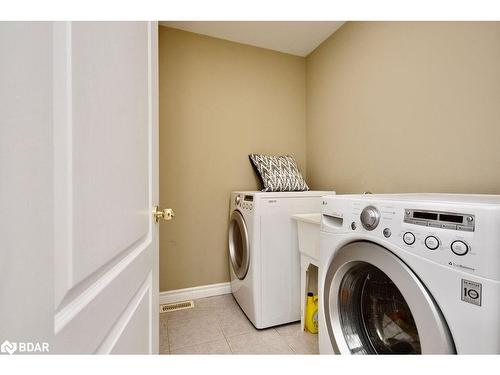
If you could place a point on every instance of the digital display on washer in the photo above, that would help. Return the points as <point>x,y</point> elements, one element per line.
<point>425,215</point>
<point>248,198</point>
<point>451,218</point>
<point>443,220</point>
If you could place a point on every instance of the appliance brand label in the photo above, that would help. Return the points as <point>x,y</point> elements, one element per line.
<point>471,292</point>
<point>461,266</point>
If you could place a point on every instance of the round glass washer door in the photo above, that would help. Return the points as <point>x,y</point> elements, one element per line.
<point>374,304</point>
<point>239,251</point>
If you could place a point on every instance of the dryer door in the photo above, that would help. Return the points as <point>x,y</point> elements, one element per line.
<point>239,250</point>
<point>375,304</point>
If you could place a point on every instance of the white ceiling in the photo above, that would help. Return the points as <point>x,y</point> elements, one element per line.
<point>295,37</point>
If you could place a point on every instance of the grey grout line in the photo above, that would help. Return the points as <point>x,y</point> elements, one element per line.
<point>219,318</point>
<point>238,308</point>
<point>208,342</point>
<point>193,345</point>
<point>223,334</point>
<point>190,345</point>
<point>168,339</point>
<point>285,341</point>
<point>166,331</point>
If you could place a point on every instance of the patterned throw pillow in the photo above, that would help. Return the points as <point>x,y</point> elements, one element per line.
<point>278,173</point>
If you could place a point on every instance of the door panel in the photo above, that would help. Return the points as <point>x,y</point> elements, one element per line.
<point>132,332</point>
<point>109,71</point>
<point>76,326</point>
<point>26,182</point>
<point>106,185</point>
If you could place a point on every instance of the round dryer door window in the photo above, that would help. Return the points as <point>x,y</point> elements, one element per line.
<point>375,304</point>
<point>239,251</point>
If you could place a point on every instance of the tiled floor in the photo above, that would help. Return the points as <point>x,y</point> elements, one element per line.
<point>216,325</point>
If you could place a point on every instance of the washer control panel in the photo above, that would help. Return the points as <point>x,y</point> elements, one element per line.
<point>438,219</point>
<point>458,232</point>
<point>440,236</point>
<point>432,242</point>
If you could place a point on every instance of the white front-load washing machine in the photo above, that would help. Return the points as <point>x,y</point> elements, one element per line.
<point>410,274</point>
<point>263,253</point>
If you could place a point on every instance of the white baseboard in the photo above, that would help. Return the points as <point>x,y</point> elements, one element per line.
<point>196,292</point>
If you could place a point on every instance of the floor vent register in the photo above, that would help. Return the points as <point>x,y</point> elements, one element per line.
<point>169,307</point>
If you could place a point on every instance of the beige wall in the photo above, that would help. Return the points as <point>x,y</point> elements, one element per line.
<point>219,101</point>
<point>399,107</point>
<point>391,107</point>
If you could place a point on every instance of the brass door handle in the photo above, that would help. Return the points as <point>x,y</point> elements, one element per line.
<point>165,214</point>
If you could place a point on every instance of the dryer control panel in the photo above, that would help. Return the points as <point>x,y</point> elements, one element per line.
<point>244,202</point>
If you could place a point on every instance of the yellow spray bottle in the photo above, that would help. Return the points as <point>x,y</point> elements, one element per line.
<point>312,313</point>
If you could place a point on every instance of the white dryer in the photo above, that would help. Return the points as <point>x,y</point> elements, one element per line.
<point>410,273</point>
<point>263,253</point>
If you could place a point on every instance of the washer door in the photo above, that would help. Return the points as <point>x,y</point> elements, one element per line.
<point>239,251</point>
<point>374,304</point>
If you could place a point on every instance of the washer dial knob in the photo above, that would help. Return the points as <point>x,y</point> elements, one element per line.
<point>431,242</point>
<point>370,217</point>
<point>459,248</point>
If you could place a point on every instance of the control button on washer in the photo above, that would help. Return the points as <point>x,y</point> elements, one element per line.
<point>431,242</point>
<point>416,222</point>
<point>459,248</point>
<point>464,228</point>
<point>420,222</point>
<point>409,238</point>
<point>449,226</point>
<point>353,225</point>
<point>387,232</point>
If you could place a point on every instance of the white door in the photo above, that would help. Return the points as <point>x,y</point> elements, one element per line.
<point>93,241</point>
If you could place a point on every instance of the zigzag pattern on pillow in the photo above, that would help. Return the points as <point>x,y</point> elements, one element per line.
<point>278,173</point>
